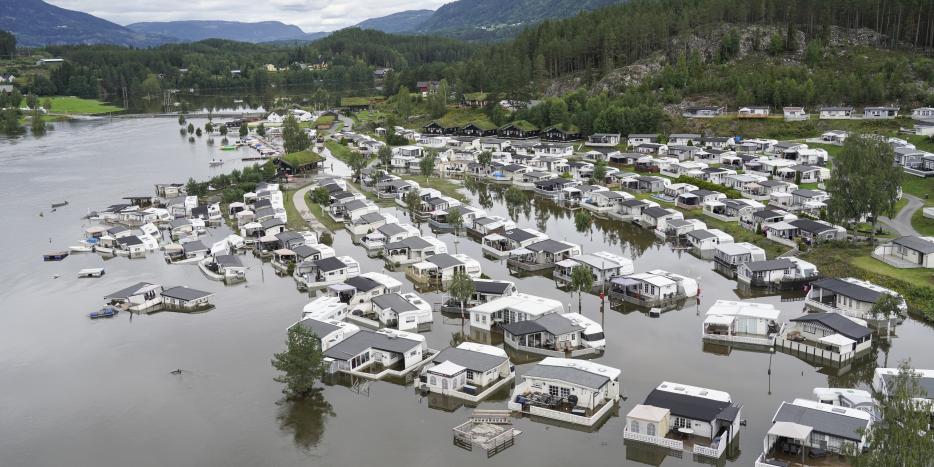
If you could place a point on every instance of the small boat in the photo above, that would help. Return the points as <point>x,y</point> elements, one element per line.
<point>56,256</point>
<point>229,147</point>
<point>58,205</point>
<point>106,312</point>
<point>655,312</point>
<point>215,163</point>
<point>91,272</point>
<point>81,248</point>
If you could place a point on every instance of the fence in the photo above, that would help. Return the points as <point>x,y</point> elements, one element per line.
<point>712,452</point>
<point>571,418</point>
<point>799,348</point>
<point>656,440</point>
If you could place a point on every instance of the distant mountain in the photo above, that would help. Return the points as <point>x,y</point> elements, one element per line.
<point>193,31</point>
<point>37,23</point>
<point>404,21</point>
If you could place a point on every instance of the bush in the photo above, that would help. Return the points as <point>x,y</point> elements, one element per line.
<point>703,184</point>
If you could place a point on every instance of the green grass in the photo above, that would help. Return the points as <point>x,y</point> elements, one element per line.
<point>323,217</point>
<point>77,106</point>
<point>298,159</point>
<point>446,187</point>
<point>295,221</point>
<point>922,224</point>
<point>356,101</point>
<point>455,117</point>
<point>918,276</point>
<point>776,127</point>
<point>339,151</point>
<point>920,187</point>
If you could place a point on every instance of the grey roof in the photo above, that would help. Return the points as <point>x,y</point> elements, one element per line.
<point>470,359</point>
<point>176,223</point>
<point>264,212</point>
<point>288,236</point>
<point>355,204</point>
<point>679,223</point>
<point>771,183</point>
<point>391,229</point>
<point>119,228</point>
<point>811,226</point>
<point>926,383</point>
<point>631,203</point>
<point>822,421</point>
<point>701,234</point>
<point>412,243</point>
<point>491,287</point>
<point>129,291</point>
<point>444,261</point>
<point>318,328</point>
<point>770,265</point>
<point>915,243</point>
<point>228,261</point>
<point>656,212</point>
<point>806,193</point>
<point>364,339</point>
<point>362,284</point>
<point>270,223</point>
<point>519,235</point>
<point>329,264</point>
<point>190,247</point>
<point>701,193</point>
<point>767,214</point>
<point>550,246</point>
<point>521,328</point>
<point>553,323</point>
<point>372,217</point>
<point>393,301</point>
<point>687,406</point>
<point>837,322</point>
<point>185,293</point>
<point>129,240</point>
<point>849,289</point>
<point>304,251</point>
<point>569,374</point>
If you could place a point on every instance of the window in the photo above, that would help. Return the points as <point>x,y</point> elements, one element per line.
<point>470,375</point>
<point>634,426</point>
<point>553,390</point>
<point>433,381</point>
<point>565,392</point>
<point>650,429</point>
<point>681,422</point>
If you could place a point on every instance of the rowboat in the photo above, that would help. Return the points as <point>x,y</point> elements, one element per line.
<point>229,147</point>
<point>58,205</point>
<point>106,312</point>
<point>56,256</point>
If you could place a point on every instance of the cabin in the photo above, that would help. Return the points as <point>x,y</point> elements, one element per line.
<point>478,129</point>
<point>519,129</point>
<point>753,111</point>
<point>440,219</point>
<point>683,153</point>
<point>511,309</point>
<point>677,229</point>
<point>742,322</point>
<point>602,265</point>
<point>836,113</point>
<point>651,184</point>
<point>731,210</point>
<point>695,199</point>
<point>707,240</point>
<point>311,274</point>
<point>328,332</point>
<point>561,133</point>
<point>401,311</point>
<point>849,296</point>
<point>137,297</point>
<point>604,140</point>
<point>829,336</point>
<point>542,255</point>
<point>552,188</point>
<point>227,268</point>
<point>908,251</point>
<point>440,269</point>
<point>438,127</point>
<point>673,409</point>
<point>732,255</point>
<point>638,139</point>
<point>803,429</point>
<point>369,222</point>
<point>551,335</point>
<point>388,233</point>
<point>880,113</point>
<point>684,139</point>
<point>652,215</point>
<point>469,371</point>
<point>486,225</point>
<point>805,230</point>
<point>703,112</point>
<point>186,299</point>
<point>485,290</point>
<point>575,391</point>
<point>390,352</point>
<point>413,249</point>
<point>795,114</point>
<point>783,273</point>
<point>500,245</point>
<point>357,292</point>
<point>652,288</point>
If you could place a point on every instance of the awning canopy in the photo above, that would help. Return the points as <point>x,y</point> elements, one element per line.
<point>719,320</point>
<point>624,281</point>
<point>567,263</point>
<point>520,252</point>
<point>790,430</point>
<point>837,340</point>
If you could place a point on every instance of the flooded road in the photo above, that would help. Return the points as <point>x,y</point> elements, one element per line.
<point>100,393</point>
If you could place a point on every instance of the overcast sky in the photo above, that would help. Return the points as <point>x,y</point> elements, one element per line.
<point>310,15</point>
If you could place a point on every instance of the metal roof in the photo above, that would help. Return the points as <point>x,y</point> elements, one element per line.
<point>130,291</point>
<point>329,264</point>
<point>444,261</point>
<point>918,244</point>
<point>848,289</point>
<point>472,360</point>
<point>365,339</point>
<point>568,374</point>
<point>822,421</point>
<point>412,243</point>
<point>185,293</point>
<point>838,323</point>
<point>550,246</point>
<point>687,406</point>
<point>394,302</point>
<point>770,265</point>
<point>491,286</point>
<point>520,235</point>
<point>228,261</point>
<point>362,284</point>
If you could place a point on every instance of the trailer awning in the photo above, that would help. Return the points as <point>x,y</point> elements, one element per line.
<point>790,430</point>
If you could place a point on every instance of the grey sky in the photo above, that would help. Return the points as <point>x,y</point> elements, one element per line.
<point>310,15</point>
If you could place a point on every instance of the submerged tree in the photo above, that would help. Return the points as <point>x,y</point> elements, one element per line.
<point>461,289</point>
<point>455,220</point>
<point>244,129</point>
<point>427,164</point>
<point>301,365</point>
<point>582,221</point>
<point>581,281</point>
<point>599,171</point>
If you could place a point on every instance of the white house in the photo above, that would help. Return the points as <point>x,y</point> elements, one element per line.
<point>653,288</point>
<point>850,297</point>
<point>836,113</point>
<point>511,309</point>
<point>779,272</point>
<point>569,390</point>
<point>384,348</point>
<point>907,252</point>
<point>469,371</point>
<point>742,322</point>
<point>405,311</point>
<point>328,331</point>
<point>804,425</point>
<point>794,114</point>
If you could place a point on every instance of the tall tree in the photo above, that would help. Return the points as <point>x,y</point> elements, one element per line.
<point>301,364</point>
<point>413,203</point>
<point>294,138</point>
<point>455,220</point>
<point>427,164</point>
<point>357,162</point>
<point>244,130</point>
<point>485,158</point>
<point>864,181</point>
<point>461,288</point>
<point>581,281</point>
<point>599,171</point>
<point>7,45</point>
<point>403,103</point>
<point>385,156</point>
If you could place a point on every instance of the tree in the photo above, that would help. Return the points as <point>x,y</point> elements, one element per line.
<point>181,119</point>
<point>403,103</point>
<point>582,220</point>
<point>599,171</point>
<point>244,130</point>
<point>294,138</point>
<point>461,289</point>
<point>301,365</point>
<point>864,181</point>
<point>581,281</point>
<point>198,132</point>
<point>191,128</point>
<point>485,158</point>
<point>47,104</point>
<point>902,436</point>
<point>413,203</point>
<point>427,164</point>
<point>209,127</point>
<point>32,101</point>
<point>151,87</point>
<point>321,196</point>
<point>38,123</point>
<point>223,130</point>
<point>7,45</point>
<point>385,156</point>
<point>261,129</point>
<point>455,219</point>
<point>357,162</point>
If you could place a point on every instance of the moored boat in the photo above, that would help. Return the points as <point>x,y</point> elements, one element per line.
<point>56,256</point>
<point>105,312</point>
<point>91,272</point>
<point>215,163</point>
<point>58,205</point>
<point>229,147</point>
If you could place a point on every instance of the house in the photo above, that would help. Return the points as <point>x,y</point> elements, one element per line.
<point>328,332</point>
<point>696,198</point>
<point>603,265</point>
<point>604,201</point>
<point>795,114</point>
<point>717,142</point>
<point>683,153</point>
<point>758,221</point>
<point>519,129</point>
<point>684,139</point>
<point>478,129</point>
<point>440,219</point>
<point>426,87</point>
<point>604,140</point>
<point>510,309</point>
<point>652,215</point>
<point>413,249</point>
<point>561,133</point>
<point>731,210</point>
<point>762,189</point>
<point>186,299</point>
<point>551,334</point>
<point>829,336</point>
<point>837,137</point>
<point>732,255</point>
<point>358,292</point>
<point>552,188</point>
<point>485,290</point>
<point>816,231</point>
<point>651,183</point>
<point>851,297</point>
<point>638,139</point>
<point>569,390</point>
<point>883,382</point>
<point>469,371</point>
<point>438,127</point>
<point>753,111</point>
<point>673,408</point>
<point>677,229</point>
<point>880,113</point>
<point>836,113</point>
<point>703,111</point>
<point>653,288</point>
<point>369,222</point>
<point>541,255</point>
<point>312,274</point>
<point>137,297</point>
<point>486,225</point>
<point>783,273</point>
<point>387,350</point>
<point>227,268</point>
<point>908,251</point>
<point>922,113</point>
<point>49,61</point>
<point>388,233</point>
<point>500,245</point>
<point>401,311</point>
<point>742,322</point>
<point>706,240</point>
<point>441,268</point>
<point>632,209</point>
<point>803,427</point>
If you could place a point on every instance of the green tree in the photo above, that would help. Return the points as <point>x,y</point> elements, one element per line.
<point>427,164</point>
<point>599,171</point>
<point>357,162</point>
<point>581,281</point>
<point>886,307</point>
<point>7,45</point>
<point>181,119</point>
<point>455,220</point>
<point>776,44</point>
<point>461,288</point>
<point>301,365</point>
<point>582,220</point>
<point>485,158</point>
<point>223,130</point>
<point>38,126</point>
<point>903,435</point>
<point>385,156</point>
<point>413,203</point>
<point>294,138</point>
<point>321,196</point>
<point>32,101</point>
<point>198,132</point>
<point>209,127</point>
<point>244,130</point>
<point>403,103</point>
<point>864,181</point>
<point>47,104</point>
<point>261,129</point>
<point>151,86</point>
<point>191,128</point>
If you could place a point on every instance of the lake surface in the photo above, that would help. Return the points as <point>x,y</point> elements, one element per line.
<point>100,393</point>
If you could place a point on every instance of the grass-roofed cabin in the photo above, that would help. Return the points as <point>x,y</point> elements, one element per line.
<point>475,99</point>
<point>479,128</point>
<point>562,132</point>
<point>299,162</point>
<point>326,121</point>
<point>355,104</point>
<point>440,127</point>
<point>519,129</point>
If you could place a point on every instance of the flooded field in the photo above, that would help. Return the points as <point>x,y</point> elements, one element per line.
<point>80,392</point>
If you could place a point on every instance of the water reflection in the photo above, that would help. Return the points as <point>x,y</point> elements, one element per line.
<point>306,419</point>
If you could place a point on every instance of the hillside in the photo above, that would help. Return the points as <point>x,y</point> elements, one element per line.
<point>193,31</point>
<point>36,23</point>
<point>404,21</point>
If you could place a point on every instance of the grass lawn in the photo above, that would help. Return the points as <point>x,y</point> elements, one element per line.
<point>295,221</point>
<point>446,187</point>
<point>922,224</point>
<point>78,106</point>
<point>919,276</point>
<point>919,187</point>
<point>322,216</point>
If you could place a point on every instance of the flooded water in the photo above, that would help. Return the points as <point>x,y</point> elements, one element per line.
<point>80,392</point>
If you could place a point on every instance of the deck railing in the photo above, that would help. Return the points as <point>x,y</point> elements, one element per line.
<point>714,452</point>
<point>656,440</point>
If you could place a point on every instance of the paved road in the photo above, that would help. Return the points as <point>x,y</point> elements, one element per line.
<point>302,207</point>
<point>902,221</point>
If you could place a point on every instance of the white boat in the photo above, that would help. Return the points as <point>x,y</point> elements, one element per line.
<point>91,272</point>
<point>80,248</point>
<point>215,162</point>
